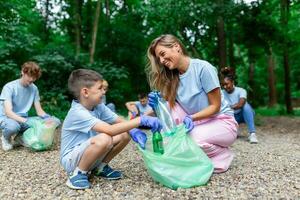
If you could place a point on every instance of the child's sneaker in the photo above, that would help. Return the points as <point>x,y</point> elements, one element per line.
<point>108,173</point>
<point>6,144</point>
<point>78,181</point>
<point>252,138</point>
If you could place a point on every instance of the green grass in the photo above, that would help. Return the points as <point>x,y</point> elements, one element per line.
<point>277,110</point>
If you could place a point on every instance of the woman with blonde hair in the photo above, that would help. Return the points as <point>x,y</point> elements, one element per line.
<point>192,89</point>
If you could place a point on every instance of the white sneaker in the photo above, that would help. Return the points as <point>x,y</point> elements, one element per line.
<point>252,138</point>
<point>6,144</point>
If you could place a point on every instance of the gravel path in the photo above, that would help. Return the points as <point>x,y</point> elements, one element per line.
<point>268,170</point>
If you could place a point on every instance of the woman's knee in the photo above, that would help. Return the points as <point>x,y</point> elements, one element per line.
<point>247,108</point>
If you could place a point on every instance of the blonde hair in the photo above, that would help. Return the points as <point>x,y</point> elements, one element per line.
<point>32,69</point>
<point>160,77</point>
<point>105,83</point>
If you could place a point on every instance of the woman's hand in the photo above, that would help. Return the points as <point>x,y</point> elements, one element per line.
<point>153,99</point>
<point>188,122</point>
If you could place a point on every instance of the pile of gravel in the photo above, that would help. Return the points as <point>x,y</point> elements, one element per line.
<point>269,169</point>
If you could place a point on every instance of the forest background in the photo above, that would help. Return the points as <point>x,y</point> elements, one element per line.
<point>260,40</point>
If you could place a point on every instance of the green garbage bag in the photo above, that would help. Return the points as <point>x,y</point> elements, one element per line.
<point>183,164</point>
<point>40,135</point>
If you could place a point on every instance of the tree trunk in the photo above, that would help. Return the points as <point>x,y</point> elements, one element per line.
<point>251,78</point>
<point>77,14</point>
<point>95,30</point>
<point>89,18</point>
<point>231,51</point>
<point>47,14</point>
<point>107,8</point>
<point>284,24</point>
<point>271,79</point>
<point>221,37</point>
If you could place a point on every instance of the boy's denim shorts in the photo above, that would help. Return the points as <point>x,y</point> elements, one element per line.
<point>71,160</point>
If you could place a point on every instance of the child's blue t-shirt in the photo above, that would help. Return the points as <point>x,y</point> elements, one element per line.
<point>235,96</point>
<point>78,124</point>
<point>142,108</point>
<point>20,97</point>
<point>199,79</point>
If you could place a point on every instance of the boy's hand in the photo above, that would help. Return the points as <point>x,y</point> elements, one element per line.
<point>153,99</point>
<point>152,122</point>
<point>29,122</point>
<point>188,122</point>
<point>139,137</point>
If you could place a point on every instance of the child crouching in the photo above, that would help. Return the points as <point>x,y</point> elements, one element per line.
<point>92,135</point>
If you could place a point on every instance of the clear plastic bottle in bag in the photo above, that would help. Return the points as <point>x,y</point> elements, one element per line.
<point>168,125</point>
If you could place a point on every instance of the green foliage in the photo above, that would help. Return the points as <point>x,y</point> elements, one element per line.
<point>277,110</point>
<point>124,35</point>
<point>117,78</point>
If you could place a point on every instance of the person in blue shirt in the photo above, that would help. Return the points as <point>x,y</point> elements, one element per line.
<point>237,98</point>
<point>140,107</point>
<point>192,89</point>
<point>17,97</point>
<point>109,105</point>
<point>92,135</point>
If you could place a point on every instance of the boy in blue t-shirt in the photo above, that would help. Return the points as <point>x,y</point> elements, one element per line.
<point>92,135</point>
<point>140,107</point>
<point>103,99</point>
<point>17,98</point>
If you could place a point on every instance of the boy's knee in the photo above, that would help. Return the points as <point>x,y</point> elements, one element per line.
<point>125,137</point>
<point>103,141</point>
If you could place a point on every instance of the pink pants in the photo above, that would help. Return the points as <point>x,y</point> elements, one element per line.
<point>214,135</point>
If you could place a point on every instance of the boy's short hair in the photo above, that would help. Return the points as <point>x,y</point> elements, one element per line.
<point>105,83</point>
<point>32,69</point>
<point>82,78</point>
<point>142,96</point>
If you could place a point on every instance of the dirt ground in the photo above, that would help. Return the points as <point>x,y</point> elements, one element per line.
<point>268,170</point>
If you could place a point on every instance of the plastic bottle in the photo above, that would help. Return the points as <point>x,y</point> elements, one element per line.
<point>163,113</point>
<point>157,141</point>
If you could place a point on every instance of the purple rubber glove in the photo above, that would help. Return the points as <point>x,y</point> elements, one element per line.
<point>188,122</point>
<point>152,122</point>
<point>133,115</point>
<point>139,137</point>
<point>153,99</point>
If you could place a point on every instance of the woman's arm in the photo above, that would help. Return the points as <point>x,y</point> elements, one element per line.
<point>239,104</point>
<point>214,99</point>
<point>131,107</point>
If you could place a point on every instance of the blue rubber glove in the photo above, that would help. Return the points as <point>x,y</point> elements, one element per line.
<point>152,122</point>
<point>153,99</point>
<point>133,114</point>
<point>188,122</point>
<point>139,137</point>
<point>46,116</point>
